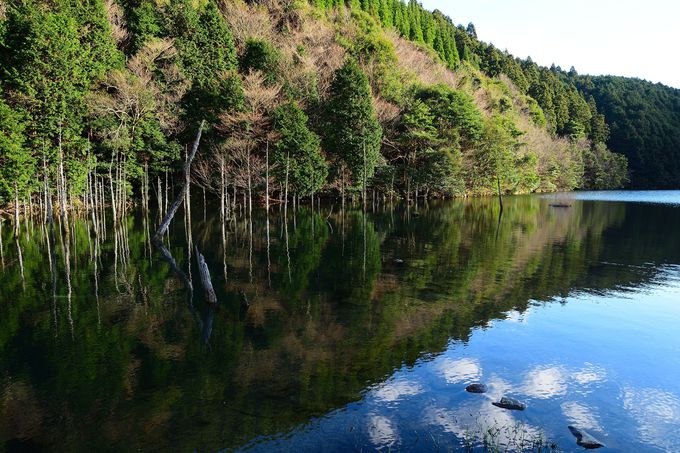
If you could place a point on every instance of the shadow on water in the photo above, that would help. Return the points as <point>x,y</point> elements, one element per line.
<point>102,343</point>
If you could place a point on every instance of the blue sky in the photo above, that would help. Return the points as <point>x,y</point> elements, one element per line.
<point>621,37</point>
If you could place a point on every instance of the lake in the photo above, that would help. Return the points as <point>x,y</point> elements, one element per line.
<point>362,330</point>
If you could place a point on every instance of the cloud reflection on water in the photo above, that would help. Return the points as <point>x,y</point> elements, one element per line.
<point>457,371</point>
<point>382,431</point>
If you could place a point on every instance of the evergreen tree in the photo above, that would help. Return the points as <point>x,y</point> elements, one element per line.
<point>59,53</point>
<point>261,55</point>
<point>17,165</point>
<point>208,59</point>
<point>298,152</point>
<point>352,131</point>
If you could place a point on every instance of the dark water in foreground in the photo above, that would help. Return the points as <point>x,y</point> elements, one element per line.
<point>362,334</point>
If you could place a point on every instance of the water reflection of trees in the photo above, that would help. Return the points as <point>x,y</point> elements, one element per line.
<point>97,342</point>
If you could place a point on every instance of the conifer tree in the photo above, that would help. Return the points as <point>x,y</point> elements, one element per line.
<point>352,133</point>
<point>298,151</point>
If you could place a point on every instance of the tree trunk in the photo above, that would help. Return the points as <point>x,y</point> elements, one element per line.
<point>62,190</point>
<point>364,175</point>
<point>204,272</point>
<point>286,195</point>
<point>159,197</point>
<point>500,196</point>
<point>113,195</point>
<point>342,184</point>
<point>250,188</point>
<point>175,204</point>
<point>167,188</point>
<point>222,191</point>
<point>266,181</point>
<point>16,211</point>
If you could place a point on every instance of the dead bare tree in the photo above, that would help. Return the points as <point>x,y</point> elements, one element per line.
<point>163,227</point>
<point>249,131</point>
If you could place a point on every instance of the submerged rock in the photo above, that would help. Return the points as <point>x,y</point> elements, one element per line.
<point>476,388</point>
<point>510,404</point>
<point>584,439</point>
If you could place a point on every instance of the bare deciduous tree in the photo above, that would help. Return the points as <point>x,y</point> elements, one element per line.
<point>249,131</point>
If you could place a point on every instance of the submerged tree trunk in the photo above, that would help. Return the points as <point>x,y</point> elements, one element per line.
<point>62,178</point>
<point>286,195</point>
<point>364,175</point>
<point>159,197</point>
<point>250,188</point>
<point>16,211</point>
<point>222,191</point>
<point>204,272</point>
<point>500,196</point>
<point>266,181</point>
<point>163,227</point>
<point>113,196</point>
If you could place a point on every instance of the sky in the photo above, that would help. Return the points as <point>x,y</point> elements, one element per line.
<point>620,37</point>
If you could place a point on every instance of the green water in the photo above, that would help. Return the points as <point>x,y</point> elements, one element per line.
<point>102,347</point>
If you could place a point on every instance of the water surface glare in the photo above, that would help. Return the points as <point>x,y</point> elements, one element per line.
<point>362,332</point>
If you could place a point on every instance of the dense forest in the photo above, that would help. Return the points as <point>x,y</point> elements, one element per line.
<point>644,119</point>
<point>100,100</point>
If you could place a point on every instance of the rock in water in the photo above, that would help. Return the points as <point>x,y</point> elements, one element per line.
<point>476,388</point>
<point>584,439</point>
<point>510,404</point>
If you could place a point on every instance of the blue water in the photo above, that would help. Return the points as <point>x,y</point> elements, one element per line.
<point>605,363</point>
<point>669,197</point>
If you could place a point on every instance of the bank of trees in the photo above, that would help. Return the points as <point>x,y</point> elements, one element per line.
<point>100,99</point>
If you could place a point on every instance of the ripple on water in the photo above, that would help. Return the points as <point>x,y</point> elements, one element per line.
<point>581,415</point>
<point>657,415</point>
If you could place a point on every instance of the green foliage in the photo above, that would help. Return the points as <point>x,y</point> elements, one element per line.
<point>644,119</point>
<point>352,132</point>
<point>70,95</point>
<point>207,56</point>
<point>493,158</point>
<point>203,39</point>
<point>145,23</point>
<point>455,112</point>
<point>17,166</point>
<point>53,56</point>
<point>604,169</point>
<point>261,56</point>
<point>298,151</point>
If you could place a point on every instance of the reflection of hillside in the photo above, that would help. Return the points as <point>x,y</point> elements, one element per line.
<point>331,311</point>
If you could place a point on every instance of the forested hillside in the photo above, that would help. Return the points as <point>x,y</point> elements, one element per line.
<point>100,100</point>
<point>644,119</point>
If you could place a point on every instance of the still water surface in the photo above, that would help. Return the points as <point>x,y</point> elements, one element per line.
<point>362,331</point>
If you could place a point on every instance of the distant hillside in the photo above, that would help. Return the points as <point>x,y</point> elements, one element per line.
<point>644,119</point>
